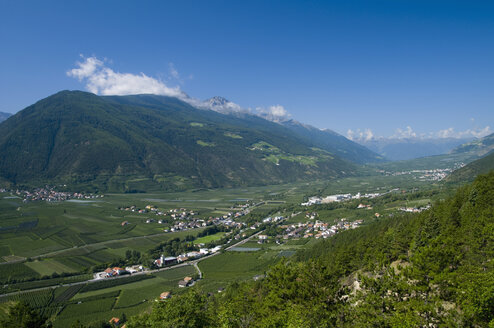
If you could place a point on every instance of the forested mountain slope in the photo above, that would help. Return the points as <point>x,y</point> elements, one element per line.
<point>126,143</point>
<point>4,116</point>
<point>434,269</point>
<point>334,143</point>
<point>471,170</point>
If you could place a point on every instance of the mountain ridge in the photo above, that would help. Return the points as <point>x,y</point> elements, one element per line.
<point>107,142</point>
<point>4,116</point>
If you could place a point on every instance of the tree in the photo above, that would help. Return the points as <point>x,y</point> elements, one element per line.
<point>21,315</point>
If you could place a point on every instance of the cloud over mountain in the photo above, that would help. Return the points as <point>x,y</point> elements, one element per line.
<point>408,133</point>
<point>276,113</point>
<point>102,80</point>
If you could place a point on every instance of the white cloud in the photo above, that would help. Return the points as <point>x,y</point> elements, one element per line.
<point>276,113</point>
<point>359,135</point>
<point>100,79</point>
<point>407,133</point>
<point>476,133</point>
<point>173,71</point>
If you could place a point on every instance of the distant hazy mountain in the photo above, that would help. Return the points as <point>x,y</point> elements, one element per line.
<point>470,171</point>
<point>481,146</point>
<point>409,148</point>
<point>324,139</point>
<point>148,142</point>
<point>334,143</point>
<point>4,116</point>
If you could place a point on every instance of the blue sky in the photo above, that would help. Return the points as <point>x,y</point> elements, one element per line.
<point>361,65</point>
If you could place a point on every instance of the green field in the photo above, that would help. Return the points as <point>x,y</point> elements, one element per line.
<point>221,270</point>
<point>73,237</point>
<point>210,238</point>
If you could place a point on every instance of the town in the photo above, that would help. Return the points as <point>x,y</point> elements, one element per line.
<point>342,197</point>
<point>49,194</point>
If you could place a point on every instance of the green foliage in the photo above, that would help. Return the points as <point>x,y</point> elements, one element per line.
<point>114,282</point>
<point>16,272</point>
<point>20,315</point>
<point>189,310</point>
<point>430,269</point>
<point>146,142</point>
<point>471,170</point>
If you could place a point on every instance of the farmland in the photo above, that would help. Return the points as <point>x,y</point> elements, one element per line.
<point>72,239</point>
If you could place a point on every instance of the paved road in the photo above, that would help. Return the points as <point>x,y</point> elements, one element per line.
<point>101,243</point>
<point>193,263</point>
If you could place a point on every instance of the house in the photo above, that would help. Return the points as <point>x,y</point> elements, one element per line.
<point>109,272</point>
<point>170,260</point>
<point>118,271</point>
<point>165,295</point>
<point>193,254</point>
<point>215,249</point>
<point>134,268</point>
<point>186,282</point>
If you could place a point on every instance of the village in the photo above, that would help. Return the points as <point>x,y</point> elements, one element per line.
<point>179,219</point>
<point>426,175</point>
<point>317,229</point>
<point>342,197</point>
<point>49,194</point>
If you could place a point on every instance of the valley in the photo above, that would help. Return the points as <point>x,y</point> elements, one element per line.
<point>55,260</point>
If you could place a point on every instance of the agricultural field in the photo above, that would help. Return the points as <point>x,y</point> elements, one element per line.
<point>91,303</point>
<point>73,238</point>
<point>210,238</point>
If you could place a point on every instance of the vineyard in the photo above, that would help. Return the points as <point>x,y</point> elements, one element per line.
<point>15,272</point>
<point>64,294</point>
<point>114,282</point>
<point>43,283</point>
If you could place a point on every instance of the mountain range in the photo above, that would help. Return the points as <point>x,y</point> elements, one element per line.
<point>148,142</point>
<point>398,149</point>
<point>4,116</point>
<point>484,147</point>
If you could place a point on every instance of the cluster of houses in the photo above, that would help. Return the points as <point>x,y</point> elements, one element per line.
<point>183,219</point>
<point>427,175</point>
<point>175,213</point>
<point>192,255</point>
<point>117,271</point>
<point>186,282</point>
<point>113,272</point>
<point>49,194</point>
<point>415,209</point>
<point>273,219</point>
<point>316,229</point>
<point>339,198</point>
